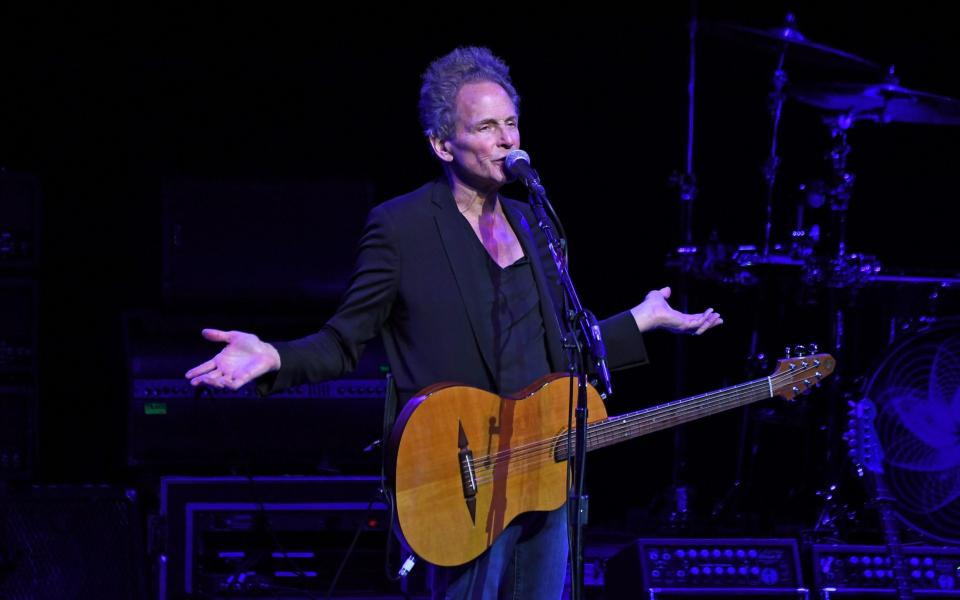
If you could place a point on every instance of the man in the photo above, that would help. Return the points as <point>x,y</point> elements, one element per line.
<point>460,287</point>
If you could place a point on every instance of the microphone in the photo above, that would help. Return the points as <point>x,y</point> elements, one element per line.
<point>517,163</point>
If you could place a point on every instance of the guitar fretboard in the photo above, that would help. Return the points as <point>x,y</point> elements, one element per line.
<point>648,420</point>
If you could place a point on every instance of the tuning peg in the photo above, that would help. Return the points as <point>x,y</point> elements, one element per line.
<point>813,348</point>
<point>800,350</point>
<point>787,352</point>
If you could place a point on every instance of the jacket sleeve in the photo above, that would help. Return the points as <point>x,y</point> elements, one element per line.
<point>623,341</point>
<point>364,307</point>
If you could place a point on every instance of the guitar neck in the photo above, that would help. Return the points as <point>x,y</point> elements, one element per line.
<point>868,456</point>
<point>649,420</point>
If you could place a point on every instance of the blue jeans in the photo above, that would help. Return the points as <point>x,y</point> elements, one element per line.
<point>527,561</point>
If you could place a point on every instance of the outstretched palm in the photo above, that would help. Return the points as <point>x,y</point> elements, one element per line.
<point>244,358</point>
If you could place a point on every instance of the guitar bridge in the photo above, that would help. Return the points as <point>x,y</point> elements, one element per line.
<point>468,474</point>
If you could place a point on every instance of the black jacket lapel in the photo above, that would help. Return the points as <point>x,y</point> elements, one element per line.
<point>457,246</point>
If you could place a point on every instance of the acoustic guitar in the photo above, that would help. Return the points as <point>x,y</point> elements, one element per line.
<point>467,462</point>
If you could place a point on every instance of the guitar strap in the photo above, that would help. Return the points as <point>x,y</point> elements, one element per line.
<point>390,401</point>
<point>390,404</point>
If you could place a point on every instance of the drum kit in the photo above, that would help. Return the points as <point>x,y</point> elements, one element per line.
<point>818,257</point>
<point>823,252</point>
<point>819,252</point>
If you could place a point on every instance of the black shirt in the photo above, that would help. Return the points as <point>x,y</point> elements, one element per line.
<point>512,305</point>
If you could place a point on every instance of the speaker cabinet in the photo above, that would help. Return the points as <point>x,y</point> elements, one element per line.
<point>76,541</point>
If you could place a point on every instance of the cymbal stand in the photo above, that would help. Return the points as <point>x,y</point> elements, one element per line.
<point>773,161</point>
<point>686,184</point>
<point>839,193</point>
<point>842,273</point>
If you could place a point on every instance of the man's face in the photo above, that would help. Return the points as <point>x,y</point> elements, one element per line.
<point>485,131</point>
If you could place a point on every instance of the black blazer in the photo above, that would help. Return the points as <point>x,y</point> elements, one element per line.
<point>414,285</point>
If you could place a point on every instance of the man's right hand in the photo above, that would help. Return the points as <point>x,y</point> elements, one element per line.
<point>244,358</point>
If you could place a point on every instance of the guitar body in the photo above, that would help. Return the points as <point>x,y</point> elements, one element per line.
<point>511,441</point>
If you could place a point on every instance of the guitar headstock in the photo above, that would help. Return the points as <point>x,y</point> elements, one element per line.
<point>796,375</point>
<point>865,449</point>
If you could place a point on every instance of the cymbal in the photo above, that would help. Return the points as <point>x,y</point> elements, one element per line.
<point>796,45</point>
<point>881,102</point>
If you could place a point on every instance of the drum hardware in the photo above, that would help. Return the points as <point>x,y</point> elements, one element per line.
<point>748,256</point>
<point>834,513</point>
<point>839,192</point>
<point>850,103</point>
<point>817,255</point>
<point>923,314</point>
<point>803,50</point>
<point>686,182</point>
<point>844,103</point>
<point>835,193</point>
<point>847,271</point>
<point>886,102</point>
<point>781,40</point>
<point>741,266</point>
<point>847,104</point>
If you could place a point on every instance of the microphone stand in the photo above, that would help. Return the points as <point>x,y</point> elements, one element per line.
<point>576,319</point>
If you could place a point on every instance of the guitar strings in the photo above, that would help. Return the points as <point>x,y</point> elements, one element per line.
<point>532,455</point>
<point>629,419</point>
<point>603,430</point>
<point>612,428</point>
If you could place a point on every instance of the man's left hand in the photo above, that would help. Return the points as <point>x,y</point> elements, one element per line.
<point>656,313</point>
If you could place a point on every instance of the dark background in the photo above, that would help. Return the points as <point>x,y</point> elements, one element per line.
<point>106,108</point>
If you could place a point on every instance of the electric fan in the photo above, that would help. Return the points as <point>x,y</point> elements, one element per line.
<point>916,390</point>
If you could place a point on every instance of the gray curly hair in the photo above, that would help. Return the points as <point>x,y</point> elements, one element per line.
<point>444,78</point>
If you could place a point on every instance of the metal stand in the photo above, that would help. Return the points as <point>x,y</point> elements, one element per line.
<point>842,186</point>
<point>686,184</point>
<point>582,331</point>
<point>773,161</point>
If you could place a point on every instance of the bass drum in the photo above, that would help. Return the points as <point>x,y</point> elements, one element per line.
<point>916,389</point>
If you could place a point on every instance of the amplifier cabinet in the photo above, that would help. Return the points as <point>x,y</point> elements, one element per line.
<point>19,389</point>
<point>866,571</point>
<point>323,427</point>
<point>70,541</point>
<point>176,428</point>
<point>238,536</point>
<point>718,567</point>
<point>20,199</point>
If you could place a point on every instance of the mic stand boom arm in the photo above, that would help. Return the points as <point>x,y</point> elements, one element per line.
<point>579,320</point>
